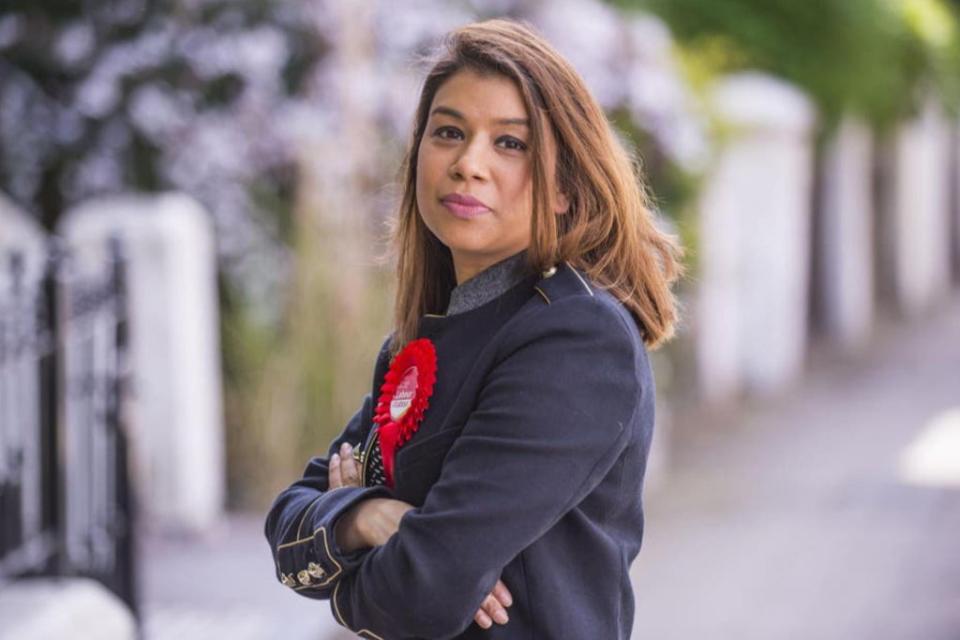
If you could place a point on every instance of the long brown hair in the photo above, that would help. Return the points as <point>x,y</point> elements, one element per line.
<point>609,230</point>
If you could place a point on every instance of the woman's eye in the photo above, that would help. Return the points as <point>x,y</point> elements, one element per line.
<point>439,132</point>
<point>517,145</point>
<point>452,133</point>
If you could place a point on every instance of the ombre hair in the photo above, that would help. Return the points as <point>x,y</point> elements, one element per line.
<point>609,230</point>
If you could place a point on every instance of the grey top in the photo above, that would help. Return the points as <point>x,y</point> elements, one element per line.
<point>490,283</point>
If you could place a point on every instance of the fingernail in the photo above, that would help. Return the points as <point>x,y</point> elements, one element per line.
<point>346,448</point>
<point>501,617</point>
<point>485,623</point>
<point>334,458</point>
<point>507,601</point>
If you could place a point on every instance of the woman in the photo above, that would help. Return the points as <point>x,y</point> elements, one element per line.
<point>490,485</point>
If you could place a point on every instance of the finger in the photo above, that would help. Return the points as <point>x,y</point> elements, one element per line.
<point>335,481</point>
<point>501,593</point>
<point>491,606</point>
<point>483,619</point>
<point>349,469</point>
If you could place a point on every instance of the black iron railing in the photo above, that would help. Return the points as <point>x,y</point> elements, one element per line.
<point>65,495</point>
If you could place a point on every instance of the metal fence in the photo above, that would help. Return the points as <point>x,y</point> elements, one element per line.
<point>65,495</point>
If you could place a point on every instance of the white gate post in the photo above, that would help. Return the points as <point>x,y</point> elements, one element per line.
<point>755,239</point>
<point>177,430</point>
<point>920,210</point>
<point>846,283</point>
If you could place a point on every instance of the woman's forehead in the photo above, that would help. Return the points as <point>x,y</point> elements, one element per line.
<point>471,96</point>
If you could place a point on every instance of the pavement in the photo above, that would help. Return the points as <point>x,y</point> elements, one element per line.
<point>791,519</point>
<point>780,520</point>
<point>223,586</point>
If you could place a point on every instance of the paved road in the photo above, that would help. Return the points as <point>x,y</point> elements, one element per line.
<point>785,521</point>
<point>791,521</point>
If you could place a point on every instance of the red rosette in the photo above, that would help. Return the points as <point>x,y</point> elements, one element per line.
<point>404,396</point>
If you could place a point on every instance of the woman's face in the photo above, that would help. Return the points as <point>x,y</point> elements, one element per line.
<point>476,145</point>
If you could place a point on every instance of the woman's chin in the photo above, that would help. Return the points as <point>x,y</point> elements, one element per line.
<point>464,243</point>
<point>478,249</point>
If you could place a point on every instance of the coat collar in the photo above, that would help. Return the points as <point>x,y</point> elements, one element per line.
<point>490,283</point>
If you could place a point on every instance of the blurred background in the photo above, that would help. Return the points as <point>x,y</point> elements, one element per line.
<point>194,284</point>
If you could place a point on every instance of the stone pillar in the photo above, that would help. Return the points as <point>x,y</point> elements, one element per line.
<point>919,197</point>
<point>177,416</point>
<point>845,276</point>
<point>754,239</point>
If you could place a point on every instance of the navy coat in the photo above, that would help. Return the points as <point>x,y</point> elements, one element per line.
<point>528,466</point>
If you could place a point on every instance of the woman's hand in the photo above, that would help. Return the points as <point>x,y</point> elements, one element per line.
<point>372,522</point>
<point>343,471</point>
<point>492,609</point>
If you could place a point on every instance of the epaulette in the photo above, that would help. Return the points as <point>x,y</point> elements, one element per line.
<point>563,281</point>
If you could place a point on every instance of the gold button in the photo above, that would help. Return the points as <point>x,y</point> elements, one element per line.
<point>288,580</point>
<point>304,578</point>
<point>315,570</point>
<point>549,272</point>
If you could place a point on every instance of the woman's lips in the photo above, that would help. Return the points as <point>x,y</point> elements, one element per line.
<point>464,205</point>
<point>464,210</point>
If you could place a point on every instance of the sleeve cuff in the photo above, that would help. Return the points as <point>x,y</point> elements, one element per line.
<point>313,562</point>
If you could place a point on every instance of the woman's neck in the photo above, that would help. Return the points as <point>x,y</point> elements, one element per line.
<point>467,267</point>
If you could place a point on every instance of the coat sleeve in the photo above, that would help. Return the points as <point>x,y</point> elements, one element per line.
<point>299,525</point>
<point>550,421</point>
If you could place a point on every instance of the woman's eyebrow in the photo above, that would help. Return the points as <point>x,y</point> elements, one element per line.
<point>453,113</point>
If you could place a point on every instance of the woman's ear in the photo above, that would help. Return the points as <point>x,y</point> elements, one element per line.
<point>561,202</point>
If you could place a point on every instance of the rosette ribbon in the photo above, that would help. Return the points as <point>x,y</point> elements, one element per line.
<point>404,396</point>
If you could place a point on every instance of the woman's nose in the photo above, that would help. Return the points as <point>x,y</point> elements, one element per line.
<point>470,163</point>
